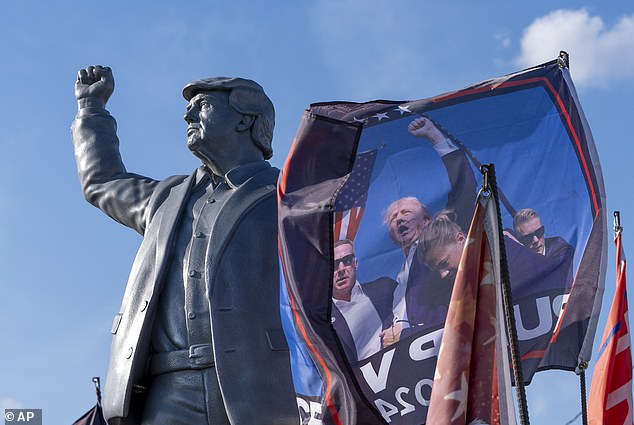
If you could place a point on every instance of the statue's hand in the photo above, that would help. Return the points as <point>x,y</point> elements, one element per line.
<point>94,82</point>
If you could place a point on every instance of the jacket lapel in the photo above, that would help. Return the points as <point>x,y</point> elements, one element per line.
<point>168,225</point>
<point>239,203</point>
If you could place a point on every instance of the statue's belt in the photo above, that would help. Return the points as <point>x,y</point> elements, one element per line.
<point>199,356</point>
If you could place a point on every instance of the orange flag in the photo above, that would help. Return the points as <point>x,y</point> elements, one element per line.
<point>610,401</point>
<point>466,387</point>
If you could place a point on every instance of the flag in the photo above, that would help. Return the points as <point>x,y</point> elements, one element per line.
<point>351,198</point>
<point>92,417</point>
<point>610,401</point>
<point>95,415</point>
<point>466,388</point>
<point>531,126</point>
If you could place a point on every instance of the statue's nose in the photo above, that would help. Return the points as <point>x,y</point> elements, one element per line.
<point>189,115</point>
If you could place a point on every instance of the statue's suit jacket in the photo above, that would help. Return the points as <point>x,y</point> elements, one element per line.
<point>242,277</point>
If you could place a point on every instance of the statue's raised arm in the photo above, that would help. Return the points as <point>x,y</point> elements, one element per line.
<point>105,182</point>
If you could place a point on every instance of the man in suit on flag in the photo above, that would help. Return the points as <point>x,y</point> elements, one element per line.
<point>406,218</point>
<point>360,311</point>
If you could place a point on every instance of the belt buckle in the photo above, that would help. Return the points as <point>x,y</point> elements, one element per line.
<point>201,355</point>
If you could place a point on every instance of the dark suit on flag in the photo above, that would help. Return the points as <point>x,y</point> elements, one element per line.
<point>562,253</point>
<point>531,272</point>
<point>536,280</point>
<point>427,295</point>
<point>380,292</point>
<point>241,279</point>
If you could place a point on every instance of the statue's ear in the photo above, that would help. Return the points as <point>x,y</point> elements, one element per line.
<point>245,122</point>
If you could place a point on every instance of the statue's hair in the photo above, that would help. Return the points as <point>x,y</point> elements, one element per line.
<point>522,216</point>
<point>251,102</point>
<point>245,97</point>
<point>439,232</point>
<point>388,211</point>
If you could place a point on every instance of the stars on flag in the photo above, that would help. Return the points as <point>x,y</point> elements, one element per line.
<point>381,116</point>
<point>460,395</point>
<point>403,109</point>
<point>397,112</point>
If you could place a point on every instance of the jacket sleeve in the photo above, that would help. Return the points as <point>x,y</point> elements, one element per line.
<point>105,182</point>
<point>462,196</point>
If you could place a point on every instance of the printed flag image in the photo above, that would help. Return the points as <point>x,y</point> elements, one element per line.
<point>472,379</point>
<point>352,196</point>
<point>610,400</point>
<point>374,200</point>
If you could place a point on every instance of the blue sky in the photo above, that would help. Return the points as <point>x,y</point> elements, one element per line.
<point>63,264</point>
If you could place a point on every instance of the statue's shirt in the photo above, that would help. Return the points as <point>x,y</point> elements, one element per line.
<point>183,318</point>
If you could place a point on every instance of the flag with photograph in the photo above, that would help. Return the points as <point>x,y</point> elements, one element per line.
<point>610,401</point>
<point>397,164</point>
<point>472,380</point>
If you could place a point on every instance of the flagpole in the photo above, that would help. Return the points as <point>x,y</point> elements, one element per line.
<point>617,222</point>
<point>582,383</point>
<point>584,365</point>
<point>489,183</point>
<point>97,381</point>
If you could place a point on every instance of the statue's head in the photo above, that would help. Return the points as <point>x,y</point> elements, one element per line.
<point>245,97</point>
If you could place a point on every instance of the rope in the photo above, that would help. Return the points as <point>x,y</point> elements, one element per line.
<point>573,420</point>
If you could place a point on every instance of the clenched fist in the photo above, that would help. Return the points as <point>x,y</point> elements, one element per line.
<point>94,82</point>
<point>424,127</point>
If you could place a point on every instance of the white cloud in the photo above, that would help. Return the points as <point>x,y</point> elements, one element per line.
<point>598,54</point>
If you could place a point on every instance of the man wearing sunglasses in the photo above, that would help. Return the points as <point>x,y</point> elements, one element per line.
<point>360,311</point>
<point>540,268</point>
<point>530,230</point>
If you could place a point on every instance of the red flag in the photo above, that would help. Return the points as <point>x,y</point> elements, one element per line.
<point>466,389</point>
<point>610,400</point>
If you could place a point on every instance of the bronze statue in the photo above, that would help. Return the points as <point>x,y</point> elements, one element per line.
<point>198,338</point>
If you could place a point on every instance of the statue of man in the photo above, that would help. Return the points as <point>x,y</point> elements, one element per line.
<point>198,338</point>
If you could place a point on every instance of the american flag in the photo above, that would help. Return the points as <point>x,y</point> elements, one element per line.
<point>610,399</point>
<point>472,379</point>
<point>352,197</point>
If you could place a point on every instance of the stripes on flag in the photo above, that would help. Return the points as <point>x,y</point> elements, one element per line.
<point>351,199</point>
<point>610,401</point>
